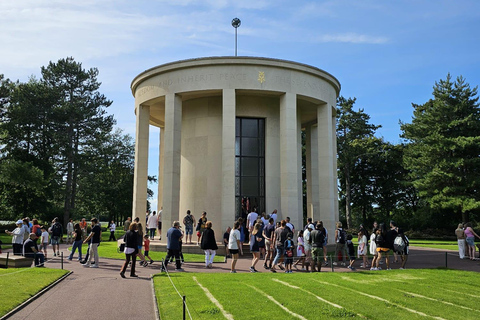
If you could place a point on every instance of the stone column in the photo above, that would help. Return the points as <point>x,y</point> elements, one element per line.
<point>172,157</point>
<point>141,163</point>
<point>312,172</point>
<point>161,159</point>
<point>289,174</point>
<point>327,168</point>
<point>228,158</point>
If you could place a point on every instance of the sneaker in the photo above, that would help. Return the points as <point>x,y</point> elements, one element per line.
<point>343,264</point>
<point>69,259</point>
<point>379,268</point>
<point>94,266</point>
<point>389,268</point>
<point>122,275</point>
<point>151,261</point>
<point>233,271</point>
<point>335,263</point>
<point>326,264</point>
<point>273,270</point>
<point>58,253</point>
<point>133,276</point>
<point>373,269</point>
<point>401,268</point>
<point>281,267</point>
<point>179,270</point>
<point>145,264</point>
<point>252,269</point>
<point>86,264</point>
<point>265,266</point>
<point>54,254</point>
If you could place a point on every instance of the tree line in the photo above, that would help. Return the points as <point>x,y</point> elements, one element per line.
<point>61,156</point>
<point>430,180</point>
<point>59,152</point>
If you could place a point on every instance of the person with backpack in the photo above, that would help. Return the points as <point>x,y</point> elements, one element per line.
<point>57,234</point>
<point>401,246</point>
<point>188,222</point>
<point>317,238</point>
<point>382,247</point>
<point>340,240</point>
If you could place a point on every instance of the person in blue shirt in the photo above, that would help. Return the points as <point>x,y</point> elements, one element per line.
<point>174,236</point>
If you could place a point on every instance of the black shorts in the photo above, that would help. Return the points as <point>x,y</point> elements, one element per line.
<point>159,225</point>
<point>234,251</point>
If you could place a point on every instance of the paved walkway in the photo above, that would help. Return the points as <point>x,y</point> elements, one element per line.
<point>102,293</point>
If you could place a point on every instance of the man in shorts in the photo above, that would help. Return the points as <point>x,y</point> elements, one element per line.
<point>189,222</point>
<point>308,245</point>
<point>269,245</point>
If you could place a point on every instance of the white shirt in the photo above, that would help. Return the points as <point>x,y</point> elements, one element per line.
<point>232,241</point>
<point>290,226</point>
<point>252,217</point>
<point>45,237</point>
<point>274,217</point>
<point>152,221</point>
<point>306,237</point>
<point>69,227</point>
<point>112,227</point>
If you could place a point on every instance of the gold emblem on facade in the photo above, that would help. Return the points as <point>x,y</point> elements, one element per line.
<point>261,76</point>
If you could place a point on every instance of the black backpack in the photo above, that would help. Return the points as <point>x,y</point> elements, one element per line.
<point>56,230</point>
<point>38,232</point>
<point>342,236</point>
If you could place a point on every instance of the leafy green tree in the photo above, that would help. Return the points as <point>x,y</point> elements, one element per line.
<point>356,145</point>
<point>443,150</point>
<point>82,119</point>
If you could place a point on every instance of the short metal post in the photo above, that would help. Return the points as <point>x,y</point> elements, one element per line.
<point>184,315</point>
<point>446,258</point>
<point>6,263</point>
<point>331,263</point>
<point>61,259</point>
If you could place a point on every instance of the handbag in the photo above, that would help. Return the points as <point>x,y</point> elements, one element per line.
<point>122,247</point>
<point>289,253</point>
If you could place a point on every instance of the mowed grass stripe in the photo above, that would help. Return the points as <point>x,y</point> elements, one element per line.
<point>416,312</point>
<point>439,301</point>
<point>215,301</point>
<point>313,294</point>
<point>296,315</point>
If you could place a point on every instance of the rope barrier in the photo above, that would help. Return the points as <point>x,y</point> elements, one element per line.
<point>179,294</point>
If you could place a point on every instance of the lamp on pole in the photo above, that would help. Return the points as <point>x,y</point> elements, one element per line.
<point>236,23</point>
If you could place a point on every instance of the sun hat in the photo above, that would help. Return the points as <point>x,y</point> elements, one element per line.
<point>19,222</point>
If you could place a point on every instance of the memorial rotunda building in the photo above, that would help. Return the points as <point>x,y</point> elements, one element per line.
<point>230,139</point>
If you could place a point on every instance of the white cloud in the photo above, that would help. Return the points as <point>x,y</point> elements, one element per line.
<point>351,38</point>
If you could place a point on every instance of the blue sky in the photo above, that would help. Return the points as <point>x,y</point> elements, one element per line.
<point>387,54</point>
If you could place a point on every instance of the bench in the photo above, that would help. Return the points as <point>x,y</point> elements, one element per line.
<point>15,261</point>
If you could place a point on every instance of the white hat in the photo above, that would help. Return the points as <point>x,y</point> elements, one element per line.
<point>310,226</point>
<point>19,222</point>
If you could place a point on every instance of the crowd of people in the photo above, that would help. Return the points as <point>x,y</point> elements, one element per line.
<point>273,242</point>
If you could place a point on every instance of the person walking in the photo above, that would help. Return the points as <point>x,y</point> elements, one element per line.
<point>94,240</point>
<point>268,232</point>
<point>460,233</point>
<point>470,238</point>
<point>340,240</point>
<point>77,242</point>
<point>152,224</point>
<point>317,238</point>
<point>209,244</point>
<point>70,231</point>
<point>279,238</point>
<point>256,240</point>
<point>17,238</point>
<point>112,231</point>
<point>126,224</point>
<point>57,235</point>
<point>174,235</point>
<point>188,222</point>
<point>131,248</point>
<point>234,245</point>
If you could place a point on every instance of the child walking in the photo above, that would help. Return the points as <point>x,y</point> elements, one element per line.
<point>351,252</point>
<point>300,250</point>
<point>362,248</point>
<point>146,250</point>
<point>289,246</point>
<point>44,241</point>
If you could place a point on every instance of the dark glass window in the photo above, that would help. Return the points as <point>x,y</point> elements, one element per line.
<point>249,166</point>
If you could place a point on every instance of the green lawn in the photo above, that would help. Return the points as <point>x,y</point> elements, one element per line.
<point>109,250</point>
<point>396,294</point>
<point>435,244</point>
<point>18,285</point>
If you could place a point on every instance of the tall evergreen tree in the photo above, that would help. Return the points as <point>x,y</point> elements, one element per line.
<point>443,151</point>
<point>356,144</point>
<point>82,118</point>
